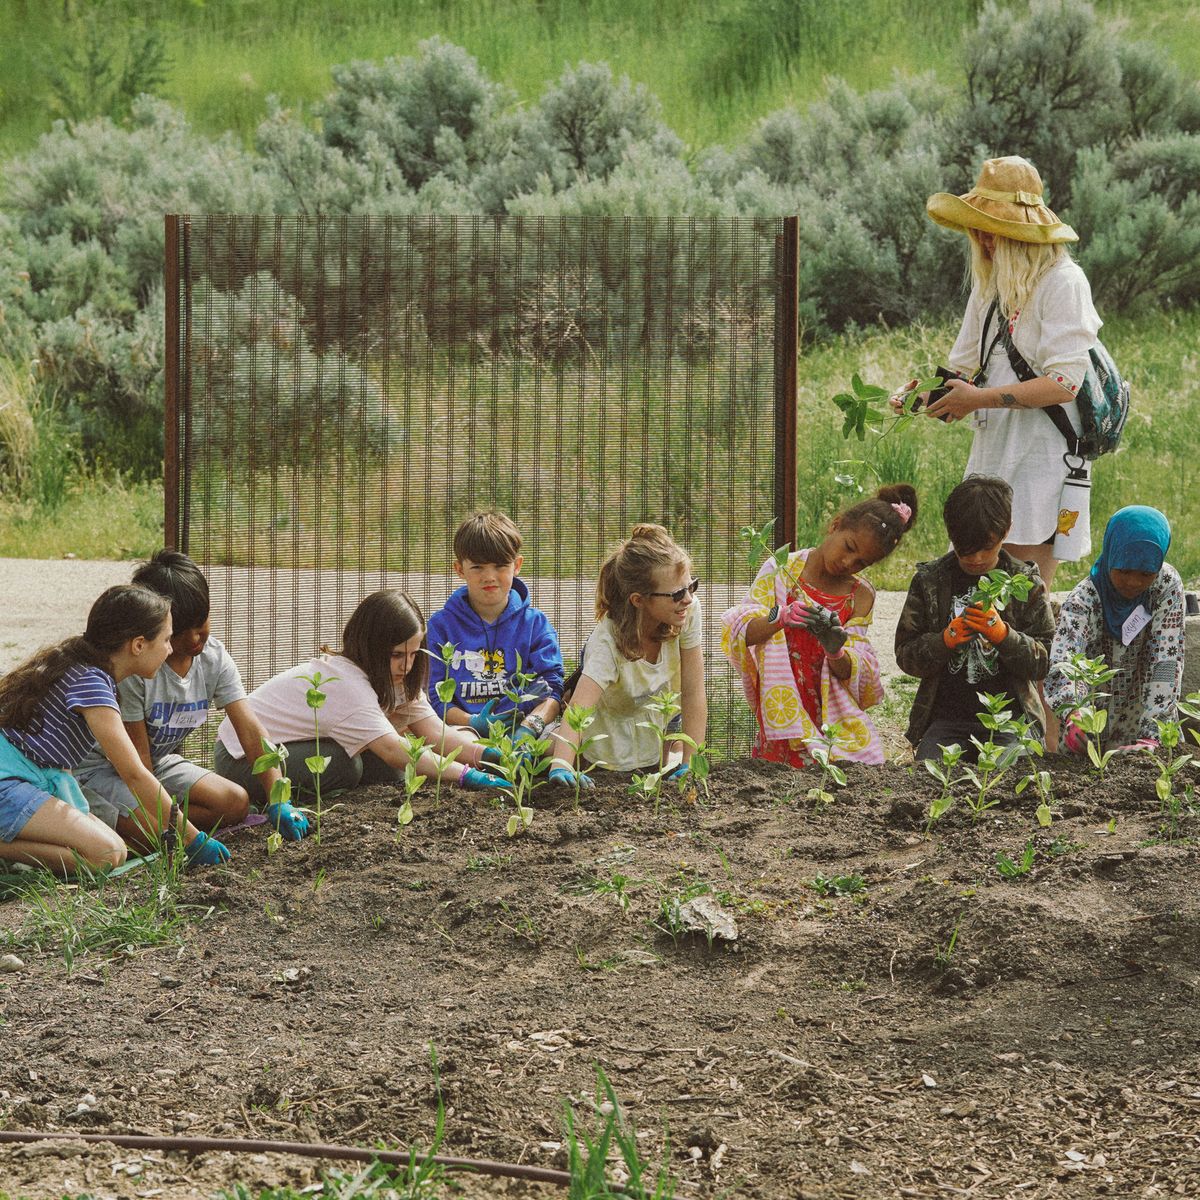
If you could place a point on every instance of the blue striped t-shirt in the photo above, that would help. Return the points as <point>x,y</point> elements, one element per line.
<point>64,738</point>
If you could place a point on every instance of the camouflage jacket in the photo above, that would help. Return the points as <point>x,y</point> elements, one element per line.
<point>920,650</point>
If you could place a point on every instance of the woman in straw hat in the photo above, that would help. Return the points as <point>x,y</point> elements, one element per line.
<point>1019,261</point>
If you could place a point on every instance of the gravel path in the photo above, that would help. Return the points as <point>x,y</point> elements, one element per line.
<point>42,601</point>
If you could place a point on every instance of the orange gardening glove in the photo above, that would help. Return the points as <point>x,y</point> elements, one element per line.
<point>986,622</point>
<point>957,633</point>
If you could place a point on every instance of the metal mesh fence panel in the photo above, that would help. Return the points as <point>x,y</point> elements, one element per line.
<point>343,391</point>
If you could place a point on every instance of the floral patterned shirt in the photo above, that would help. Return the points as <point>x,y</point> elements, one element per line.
<point>1149,670</point>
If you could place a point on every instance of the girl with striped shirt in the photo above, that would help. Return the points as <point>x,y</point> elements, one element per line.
<point>59,705</point>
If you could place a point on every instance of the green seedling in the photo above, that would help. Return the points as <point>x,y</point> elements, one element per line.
<point>316,763</point>
<point>760,548</point>
<point>838,885</point>
<point>274,757</point>
<point>666,705</point>
<point>867,404</point>
<point>1089,675</point>
<point>579,719</point>
<point>616,885</point>
<point>647,786</point>
<point>414,747</point>
<point>524,927</point>
<point>523,765</point>
<point>997,588</point>
<point>445,689</point>
<point>1041,781</point>
<point>992,759</point>
<point>1063,845</point>
<point>1011,869</point>
<point>945,954</point>
<point>1169,764</point>
<point>1189,707</point>
<point>699,769</point>
<point>943,771</point>
<point>274,842</point>
<point>821,750</point>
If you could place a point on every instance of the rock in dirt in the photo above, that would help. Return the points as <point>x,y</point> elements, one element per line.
<point>10,963</point>
<point>703,914</point>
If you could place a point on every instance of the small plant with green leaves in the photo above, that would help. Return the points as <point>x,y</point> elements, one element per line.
<point>1189,707</point>
<point>579,720</point>
<point>589,1156</point>
<point>699,770</point>
<point>992,758</point>
<point>760,546</point>
<point>665,705</point>
<point>942,769</point>
<point>1039,779</point>
<point>616,885</point>
<point>444,689</point>
<point>1010,868</point>
<point>838,885</point>
<point>414,747</point>
<point>1085,710</point>
<point>317,763</point>
<point>522,764</point>
<point>944,956</point>
<point>670,905</point>
<point>998,587</point>
<point>820,749</point>
<point>1169,764</point>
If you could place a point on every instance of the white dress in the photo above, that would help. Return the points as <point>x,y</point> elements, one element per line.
<point>1054,333</point>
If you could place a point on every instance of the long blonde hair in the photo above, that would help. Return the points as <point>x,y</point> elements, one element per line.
<point>1014,271</point>
<point>630,568</point>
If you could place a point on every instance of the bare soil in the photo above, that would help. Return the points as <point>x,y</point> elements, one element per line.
<point>827,1052</point>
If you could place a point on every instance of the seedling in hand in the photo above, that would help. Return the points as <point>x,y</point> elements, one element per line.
<point>760,545</point>
<point>997,588</point>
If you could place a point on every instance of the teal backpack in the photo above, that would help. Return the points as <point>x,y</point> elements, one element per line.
<point>1103,399</point>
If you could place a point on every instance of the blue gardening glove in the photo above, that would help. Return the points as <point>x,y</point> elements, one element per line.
<point>476,781</point>
<point>206,851</point>
<point>565,775</point>
<point>491,756</point>
<point>679,773</point>
<point>481,722</point>
<point>291,822</point>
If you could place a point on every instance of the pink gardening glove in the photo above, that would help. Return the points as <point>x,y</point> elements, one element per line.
<point>1140,744</point>
<point>794,615</point>
<point>1073,738</point>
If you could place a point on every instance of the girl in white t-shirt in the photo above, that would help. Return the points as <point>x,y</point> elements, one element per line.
<point>647,638</point>
<point>374,692</point>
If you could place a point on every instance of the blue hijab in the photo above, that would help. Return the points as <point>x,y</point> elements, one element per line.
<point>1136,538</point>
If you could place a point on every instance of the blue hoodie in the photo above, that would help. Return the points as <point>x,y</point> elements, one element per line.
<point>485,656</point>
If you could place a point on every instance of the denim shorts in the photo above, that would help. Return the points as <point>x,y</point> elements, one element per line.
<point>18,802</point>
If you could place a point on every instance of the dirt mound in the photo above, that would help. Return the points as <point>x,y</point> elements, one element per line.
<point>895,1017</point>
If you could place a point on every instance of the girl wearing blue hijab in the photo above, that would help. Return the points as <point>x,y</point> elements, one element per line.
<point>1128,611</point>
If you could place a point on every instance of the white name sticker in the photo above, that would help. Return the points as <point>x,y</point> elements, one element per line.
<point>1134,624</point>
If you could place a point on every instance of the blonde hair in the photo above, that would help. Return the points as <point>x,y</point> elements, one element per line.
<point>1014,271</point>
<point>630,568</point>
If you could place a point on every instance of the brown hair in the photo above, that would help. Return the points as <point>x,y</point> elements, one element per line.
<point>174,575</point>
<point>119,615</point>
<point>382,620</point>
<point>629,568</point>
<point>487,537</point>
<point>879,517</point>
<point>977,512</point>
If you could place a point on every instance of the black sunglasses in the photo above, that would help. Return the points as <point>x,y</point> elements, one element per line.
<point>683,591</point>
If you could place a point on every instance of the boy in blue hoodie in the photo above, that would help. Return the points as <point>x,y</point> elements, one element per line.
<point>495,631</point>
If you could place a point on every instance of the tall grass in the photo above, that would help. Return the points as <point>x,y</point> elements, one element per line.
<point>716,67</point>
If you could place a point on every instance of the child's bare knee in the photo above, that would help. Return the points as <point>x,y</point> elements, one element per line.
<point>105,851</point>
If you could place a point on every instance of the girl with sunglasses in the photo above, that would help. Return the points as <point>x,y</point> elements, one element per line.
<point>647,638</point>
<point>799,638</point>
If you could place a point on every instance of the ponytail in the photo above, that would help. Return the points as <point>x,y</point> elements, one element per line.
<point>888,515</point>
<point>630,568</point>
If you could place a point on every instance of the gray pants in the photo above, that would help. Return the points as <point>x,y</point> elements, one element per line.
<point>343,772</point>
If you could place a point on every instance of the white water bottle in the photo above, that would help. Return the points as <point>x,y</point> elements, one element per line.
<point>1073,533</point>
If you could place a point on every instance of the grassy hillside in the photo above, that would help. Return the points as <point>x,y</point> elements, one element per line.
<point>716,67</point>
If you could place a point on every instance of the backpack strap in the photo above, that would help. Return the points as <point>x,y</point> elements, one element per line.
<point>1024,372</point>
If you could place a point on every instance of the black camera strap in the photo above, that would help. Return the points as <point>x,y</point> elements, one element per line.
<point>1024,372</point>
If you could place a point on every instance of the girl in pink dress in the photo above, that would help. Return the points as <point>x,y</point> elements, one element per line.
<point>798,638</point>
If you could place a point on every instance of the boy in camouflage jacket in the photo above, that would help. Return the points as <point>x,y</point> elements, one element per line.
<point>957,650</point>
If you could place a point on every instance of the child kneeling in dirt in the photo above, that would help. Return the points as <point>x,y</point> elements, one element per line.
<point>957,649</point>
<point>160,712</point>
<point>647,639</point>
<point>799,636</point>
<point>496,632</point>
<point>374,691</point>
<point>55,708</point>
<point>1129,611</point>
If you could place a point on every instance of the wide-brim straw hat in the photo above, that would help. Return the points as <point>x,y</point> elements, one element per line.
<point>1006,201</point>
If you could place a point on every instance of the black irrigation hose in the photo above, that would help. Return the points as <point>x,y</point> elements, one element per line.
<point>393,1158</point>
